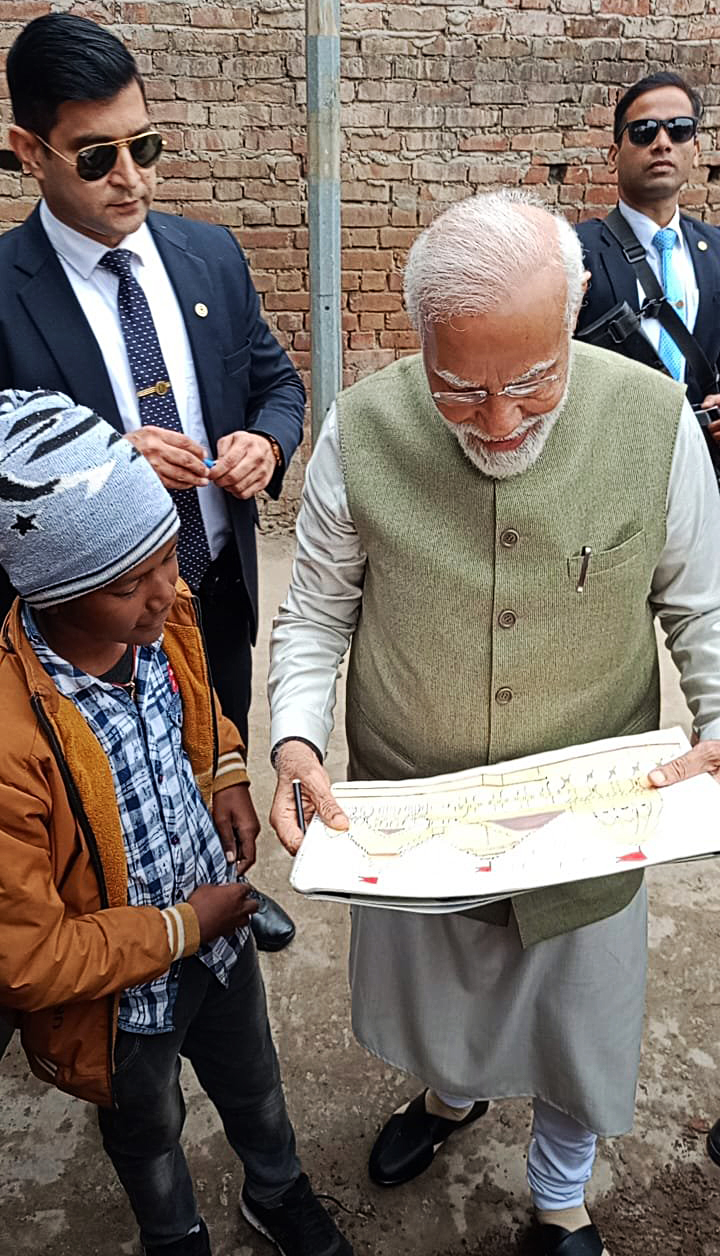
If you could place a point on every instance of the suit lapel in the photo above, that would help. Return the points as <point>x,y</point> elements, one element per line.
<point>190,278</point>
<point>52,306</point>
<point>621,276</point>
<point>706,265</point>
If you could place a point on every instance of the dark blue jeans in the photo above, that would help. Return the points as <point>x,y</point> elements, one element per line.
<point>225,1035</point>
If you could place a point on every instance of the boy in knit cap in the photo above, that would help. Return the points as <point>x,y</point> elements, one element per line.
<point>123,929</point>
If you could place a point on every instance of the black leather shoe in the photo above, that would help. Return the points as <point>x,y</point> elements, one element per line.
<point>557,1241</point>
<point>713,1143</point>
<point>192,1245</point>
<point>406,1145</point>
<point>272,927</point>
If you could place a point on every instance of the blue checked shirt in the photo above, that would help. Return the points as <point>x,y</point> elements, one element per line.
<point>171,843</point>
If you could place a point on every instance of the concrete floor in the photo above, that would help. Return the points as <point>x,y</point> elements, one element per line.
<point>651,1192</point>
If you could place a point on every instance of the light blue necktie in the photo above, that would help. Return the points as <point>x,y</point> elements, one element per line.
<point>664,241</point>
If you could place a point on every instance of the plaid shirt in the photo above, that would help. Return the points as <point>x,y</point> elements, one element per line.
<point>171,843</point>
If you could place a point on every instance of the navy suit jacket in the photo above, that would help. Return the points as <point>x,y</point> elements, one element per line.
<point>614,280</point>
<point>246,380</point>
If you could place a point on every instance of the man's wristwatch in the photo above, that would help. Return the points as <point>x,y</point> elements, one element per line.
<point>277,451</point>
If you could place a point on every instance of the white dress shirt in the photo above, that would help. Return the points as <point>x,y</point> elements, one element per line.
<point>96,290</point>
<point>645,229</point>
<point>313,628</point>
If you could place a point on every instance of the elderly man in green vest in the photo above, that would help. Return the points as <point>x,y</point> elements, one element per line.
<point>447,506</point>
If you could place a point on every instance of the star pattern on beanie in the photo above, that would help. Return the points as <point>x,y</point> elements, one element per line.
<point>79,506</point>
<point>24,524</point>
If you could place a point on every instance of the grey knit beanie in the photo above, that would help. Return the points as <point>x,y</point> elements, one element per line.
<point>79,506</point>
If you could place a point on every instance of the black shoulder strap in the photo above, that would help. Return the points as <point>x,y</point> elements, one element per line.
<point>657,305</point>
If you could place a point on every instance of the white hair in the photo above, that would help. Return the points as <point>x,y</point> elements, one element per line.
<point>480,249</point>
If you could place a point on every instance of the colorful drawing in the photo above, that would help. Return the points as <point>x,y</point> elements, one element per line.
<point>493,816</point>
<point>447,841</point>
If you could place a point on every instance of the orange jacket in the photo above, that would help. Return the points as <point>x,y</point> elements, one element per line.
<point>69,943</point>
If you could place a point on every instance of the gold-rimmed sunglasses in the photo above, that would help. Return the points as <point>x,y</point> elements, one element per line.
<point>97,160</point>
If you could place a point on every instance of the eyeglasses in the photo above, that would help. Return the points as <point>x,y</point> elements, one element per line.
<point>644,131</point>
<point>533,388</point>
<point>95,162</point>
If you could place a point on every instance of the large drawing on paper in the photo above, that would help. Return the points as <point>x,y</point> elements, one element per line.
<point>566,815</point>
<point>493,817</point>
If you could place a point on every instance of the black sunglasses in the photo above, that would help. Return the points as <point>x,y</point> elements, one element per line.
<point>95,162</point>
<point>644,131</point>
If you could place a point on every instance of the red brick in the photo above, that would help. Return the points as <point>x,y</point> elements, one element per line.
<point>483,143</point>
<point>369,360</point>
<point>204,89</point>
<point>184,190</point>
<point>373,322</point>
<point>288,301</point>
<point>375,302</point>
<point>268,238</point>
<point>601,195</point>
<point>368,259</point>
<point>399,340</point>
<point>637,8</point>
<point>397,237</point>
<point>373,281</point>
<point>360,237</point>
<point>362,340</point>
<point>276,259</point>
<point>22,10</point>
<point>290,281</point>
<point>364,215</point>
<point>235,16</point>
<point>397,322</point>
<point>290,322</point>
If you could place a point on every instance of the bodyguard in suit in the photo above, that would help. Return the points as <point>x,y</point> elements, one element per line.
<point>153,321</point>
<point>654,148</point>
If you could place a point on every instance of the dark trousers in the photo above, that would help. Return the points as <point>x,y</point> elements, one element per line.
<point>225,1035</point>
<point>226,620</point>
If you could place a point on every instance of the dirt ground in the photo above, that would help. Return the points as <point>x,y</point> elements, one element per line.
<point>652,1192</point>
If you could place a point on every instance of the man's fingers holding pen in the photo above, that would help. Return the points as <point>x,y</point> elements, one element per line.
<point>297,762</point>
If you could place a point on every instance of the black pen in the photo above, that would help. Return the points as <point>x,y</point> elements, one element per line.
<point>297,795</point>
<point>586,555</point>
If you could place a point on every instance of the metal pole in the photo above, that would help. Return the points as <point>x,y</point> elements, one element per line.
<point>323,132</point>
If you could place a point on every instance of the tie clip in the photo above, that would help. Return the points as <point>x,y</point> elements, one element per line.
<point>160,388</point>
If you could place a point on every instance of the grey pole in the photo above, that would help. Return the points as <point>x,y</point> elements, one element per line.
<point>323,134</point>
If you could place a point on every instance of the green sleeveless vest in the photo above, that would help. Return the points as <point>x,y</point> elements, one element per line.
<point>473,644</point>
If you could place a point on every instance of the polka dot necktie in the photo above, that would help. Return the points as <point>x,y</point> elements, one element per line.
<point>664,241</point>
<point>157,404</point>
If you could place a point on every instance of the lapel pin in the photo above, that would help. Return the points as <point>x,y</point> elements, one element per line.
<point>702,245</point>
<point>202,310</point>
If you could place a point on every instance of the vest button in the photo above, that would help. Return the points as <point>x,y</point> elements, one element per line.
<point>503,696</point>
<point>509,537</point>
<point>507,619</point>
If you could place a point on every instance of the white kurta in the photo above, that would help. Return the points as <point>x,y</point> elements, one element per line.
<point>457,1002</point>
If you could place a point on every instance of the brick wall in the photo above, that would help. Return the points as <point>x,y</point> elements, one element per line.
<point>439,100</point>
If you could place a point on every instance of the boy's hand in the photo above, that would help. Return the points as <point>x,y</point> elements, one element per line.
<point>221,909</point>
<point>237,823</point>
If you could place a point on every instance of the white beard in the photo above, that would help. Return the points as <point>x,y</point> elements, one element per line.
<point>498,465</point>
